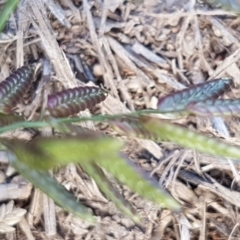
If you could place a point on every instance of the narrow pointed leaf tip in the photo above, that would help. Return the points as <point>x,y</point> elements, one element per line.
<point>178,101</point>
<point>14,87</point>
<point>72,101</point>
<point>108,189</point>
<point>43,181</point>
<point>125,172</point>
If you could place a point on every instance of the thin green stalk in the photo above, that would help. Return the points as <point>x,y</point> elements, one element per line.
<point>6,12</point>
<point>55,122</point>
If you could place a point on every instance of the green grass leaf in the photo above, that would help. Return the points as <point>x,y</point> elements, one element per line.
<point>46,153</point>
<point>43,181</point>
<point>189,139</point>
<point>104,185</point>
<point>6,12</point>
<point>125,172</point>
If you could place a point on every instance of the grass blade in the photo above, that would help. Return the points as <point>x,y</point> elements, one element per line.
<point>104,185</point>
<point>46,153</point>
<point>125,172</point>
<point>43,181</point>
<point>6,12</point>
<point>189,139</point>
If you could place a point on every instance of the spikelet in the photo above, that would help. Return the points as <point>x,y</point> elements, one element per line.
<point>215,107</point>
<point>72,101</point>
<point>13,88</point>
<point>179,100</point>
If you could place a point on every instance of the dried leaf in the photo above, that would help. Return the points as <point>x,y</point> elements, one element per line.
<point>13,88</point>
<point>216,107</point>
<point>72,101</point>
<point>10,216</point>
<point>9,207</point>
<point>5,228</point>
<point>178,101</point>
<point>15,216</point>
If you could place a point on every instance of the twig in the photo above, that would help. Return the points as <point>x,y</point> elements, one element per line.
<point>49,43</point>
<point>122,87</point>
<point>49,216</point>
<point>108,76</point>
<point>193,13</point>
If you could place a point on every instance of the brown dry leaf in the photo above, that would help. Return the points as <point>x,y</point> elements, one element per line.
<point>9,216</point>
